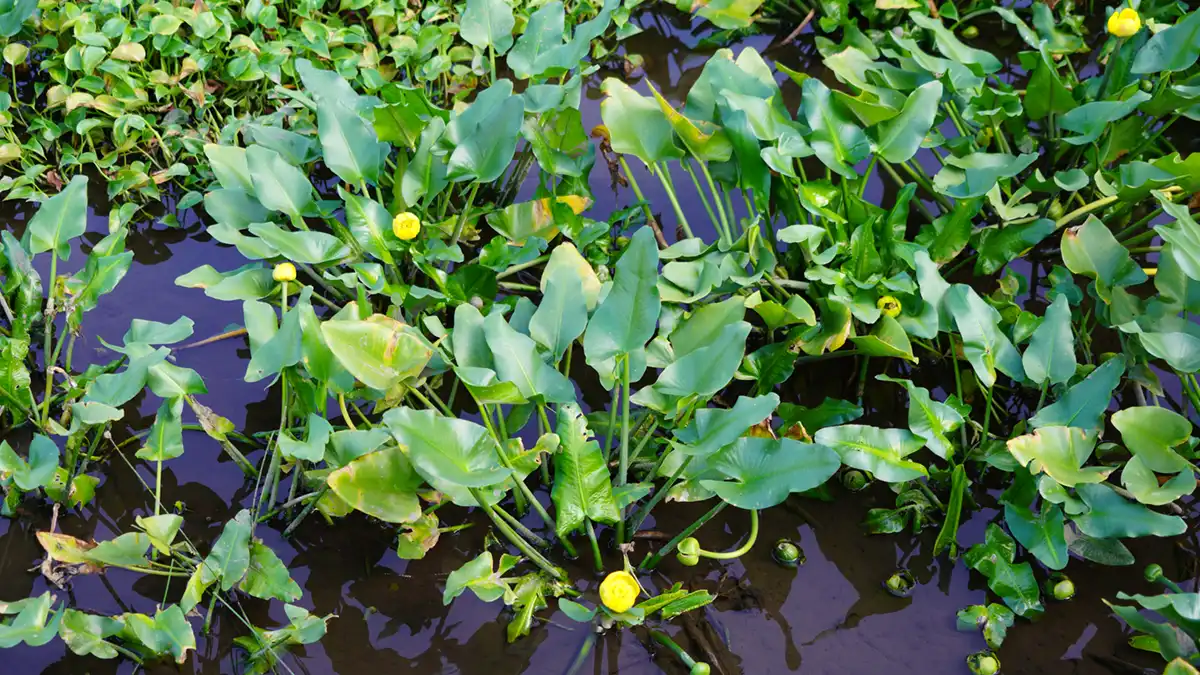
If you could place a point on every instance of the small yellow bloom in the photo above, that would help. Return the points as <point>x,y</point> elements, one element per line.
<point>889,305</point>
<point>1124,22</point>
<point>406,226</point>
<point>1150,271</point>
<point>619,591</point>
<point>285,271</point>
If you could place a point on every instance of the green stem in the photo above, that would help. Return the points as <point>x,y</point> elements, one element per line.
<point>660,172</point>
<point>644,512</point>
<point>741,550</point>
<point>637,189</point>
<point>687,166</point>
<point>462,216</point>
<point>987,413</point>
<point>48,327</point>
<point>516,540</point>
<point>653,560</point>
<point>662,639</point>
<point>1084,210</point>
<point>957,383</point>
<point>725,219</point>
<point>591,533</point>
<point>623,457</point>
<point>525,531</point>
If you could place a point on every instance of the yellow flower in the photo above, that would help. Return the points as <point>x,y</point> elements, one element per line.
<point>619,591</point>
<point>1124,22</point>
<point>889,305</point>
<point>284,272</point>
<point>406,226</point>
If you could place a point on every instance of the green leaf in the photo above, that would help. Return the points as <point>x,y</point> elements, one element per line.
<point>764,471</point>
<point>168,633</point>
<point>952,48</point>
<point>636,124</point>
<point>931,420</point>
<point>562,315</point>
<point>488,23</point>
<point>1050,356</point>
<point>1041,534</point>
<point>313,448</point>
<point>38,471</point>
<point>418,537</point>
<point>380,351</point>
<point>484,136</point>
<point>1151,433</point>
<point>582,487</point>
<point>880,451</point>
<point>267,577</point>
<point>837,141</point>
<point>1092,119</point>
<point>309,247</point>
<point>887,339</point>
<point>898,139</point>
<point>14,15</point>
<point>1110,515</point>
<point>1084,404</point>
<point>534,50</point>
<point>33,624</point>
<point>228,164</point>
<point>1091,250</point>
<point>976,174</point>
<point>477,575</point>
<point>707,369</point>
<point>448,453</point>
<point>59,219</point>
<point>381,484</point>
<point>369,224</point>
<point>278,185</point>
<point>947,538</point>
<point>1015,584</point>
<point>986,347</point>
<point>230,555</point>
<point>1060,452</point>
<point>1173,50</point>
<point>628,316</point>
<point>712,429</point>
<point>161,530</point>
<point>85,634</point>
<point>995,620</point>
<point>271,350</point>
<point>349,145</point>
<point>522,365</point>
<point>165,440</point>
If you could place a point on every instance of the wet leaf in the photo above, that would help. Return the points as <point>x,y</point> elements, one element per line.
<point>86,634</point>
<point>582,486</point>
<point>33,624</point>
<point>451,454</point>
<point>929,419</point>
<point>379,352</point>
<point>880,451</point>
<point>1060,452</point>
<point>37,470</point>
<point>167,634</point>
<point>267,577</point>
<point>1041,534</point>
<point>764,471</point>
<point>381,484</point>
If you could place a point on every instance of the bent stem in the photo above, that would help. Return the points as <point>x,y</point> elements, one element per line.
<point>516,540</point>
<point>664,640</point>
<point>653,560</point>
<point>739,551</point>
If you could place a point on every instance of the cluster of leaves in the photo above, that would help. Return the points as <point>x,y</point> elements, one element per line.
<point>410,332</point>
<point>136,89</point>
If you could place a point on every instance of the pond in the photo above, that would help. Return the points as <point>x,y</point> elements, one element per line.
<point>832,614</point>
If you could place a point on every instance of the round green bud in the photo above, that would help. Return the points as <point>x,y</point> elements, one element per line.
<point>700,668</point>
<point>1153,572</point>
<point>900,584</point>
<point>983,663</point>
<point>854,480</point>
<point>1147,85</point>
<point>787,553</point>
<point>622,241</point>
<point>1064,589</point>
<point>970,32</point>
<point>1056,210</point>
<point>688,552</point>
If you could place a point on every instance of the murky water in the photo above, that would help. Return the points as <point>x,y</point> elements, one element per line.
<point>829,616</point>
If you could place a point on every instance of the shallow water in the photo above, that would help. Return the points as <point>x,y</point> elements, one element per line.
<point>829,616</point>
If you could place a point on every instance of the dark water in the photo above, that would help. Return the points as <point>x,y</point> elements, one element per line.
<point>829,616</point>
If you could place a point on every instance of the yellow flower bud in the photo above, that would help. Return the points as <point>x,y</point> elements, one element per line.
<point>1124,22</point>
<point>889,305</point>
<point>406,226</point>
<point>285,271</point>
<point>619,591</point>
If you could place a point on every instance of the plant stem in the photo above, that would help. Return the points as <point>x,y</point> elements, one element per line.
<point>516,539</point>
<point>644,512</point>
<point>637,190</point>
<point>741,550</point>
<point>957,384</point>
<point>660,172</point>
<point>987,413</point>
<point>525,531</point>
<point>652,561</point>
<point>661,638</point>
<point>591,533</point>
<point>48,327</point>
<point>462,216</point>
<point>623,458</point>
<point>1084,210</point>
<point>720,210</point>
